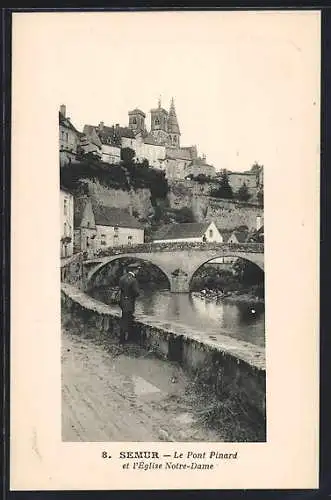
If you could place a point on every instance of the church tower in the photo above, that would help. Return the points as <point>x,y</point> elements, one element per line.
<point>137,121</point>
<point>159,124</point>
<point>173,127</point>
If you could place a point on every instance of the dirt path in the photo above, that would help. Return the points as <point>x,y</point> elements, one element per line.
<point>130,396</point>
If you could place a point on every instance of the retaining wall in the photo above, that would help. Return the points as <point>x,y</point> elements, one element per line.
<point>228,365</point>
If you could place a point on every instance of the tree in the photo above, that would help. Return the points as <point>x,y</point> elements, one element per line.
<point>224,190</point>
<point>243,193</point>
<point>127,155</point>
<point>201,178</point>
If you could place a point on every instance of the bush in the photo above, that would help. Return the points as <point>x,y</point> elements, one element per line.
<point>224,189</point>
<point>243,193</point>
<point>124,176</point>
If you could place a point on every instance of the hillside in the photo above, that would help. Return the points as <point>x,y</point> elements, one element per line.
<point>153,199</point>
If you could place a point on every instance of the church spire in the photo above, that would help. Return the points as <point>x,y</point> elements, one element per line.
<point>173,126</point>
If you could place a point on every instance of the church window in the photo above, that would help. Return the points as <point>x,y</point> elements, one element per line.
<point>157,121</point>
<point>134,121</point>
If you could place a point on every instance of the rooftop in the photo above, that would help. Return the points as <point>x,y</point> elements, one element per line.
<point>66,122</point>
<point>179,231</point>
<point>241,236</point>
<point>110,216</point>
<point>112,135</point>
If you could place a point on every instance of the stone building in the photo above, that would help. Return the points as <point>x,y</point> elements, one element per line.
<point>90,142</point>
<point>160,146</point>
<point>69,138</point>
<point>66,222</point>
<point>98,226</point>
<point>253,179</point>
<point>191,232</point>
<point>116,227</point>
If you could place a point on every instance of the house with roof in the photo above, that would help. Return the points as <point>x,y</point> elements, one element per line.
<point>116,227</point>
<point>238,236</point>
<point>69,138</point>
<point>191,232</point>
<point>98,226</point>
<point>257,236</point>
<point>90,142</point>
<point>66,222</point>
<point>135,137</point>
<point>199,166</point>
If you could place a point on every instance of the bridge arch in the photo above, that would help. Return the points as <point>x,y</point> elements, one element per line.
<point>91,275</point>
<point>253,258</point>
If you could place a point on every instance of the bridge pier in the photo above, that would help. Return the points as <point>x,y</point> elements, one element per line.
<point>179,284</point>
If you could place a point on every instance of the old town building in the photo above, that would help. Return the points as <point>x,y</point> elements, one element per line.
<point>66,222</point>
<point>69,138</point>
<point>191,232</point>
<point>98,226</point>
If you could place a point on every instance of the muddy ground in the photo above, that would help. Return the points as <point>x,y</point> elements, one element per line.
<point>112,394</point>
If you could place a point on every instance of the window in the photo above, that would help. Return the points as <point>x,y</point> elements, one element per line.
<point>129,239</point>
<point>116,229</point>
<point>65,229</point>
<point>66,136</point>
<point>210,233</point>
<point>157,121</point>
<point>134,121</point>
<point>65,207</point>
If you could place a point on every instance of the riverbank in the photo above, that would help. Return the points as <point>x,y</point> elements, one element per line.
<point>231,371</point>
<point>131,394</point>
<point>234,296</point>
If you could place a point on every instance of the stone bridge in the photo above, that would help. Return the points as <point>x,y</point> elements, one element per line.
<point>177,261</point>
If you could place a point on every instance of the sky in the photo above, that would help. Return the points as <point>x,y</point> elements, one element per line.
<point>242,81</point>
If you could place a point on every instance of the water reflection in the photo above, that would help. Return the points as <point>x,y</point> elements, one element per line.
<point>241,320</point>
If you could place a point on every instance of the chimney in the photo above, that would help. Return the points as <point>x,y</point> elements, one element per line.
<point>101,125</point>
<point>63,110</point>
<point>258,222</point>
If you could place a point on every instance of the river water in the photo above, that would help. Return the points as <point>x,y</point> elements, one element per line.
<point>240,320</point>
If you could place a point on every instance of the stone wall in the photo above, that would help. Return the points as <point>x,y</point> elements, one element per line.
<point>174,246</point>
<point>229,214</point>
<point>226,214</point>
<point>185,193</point>
<point>228,365</point>
<point>139,199</point>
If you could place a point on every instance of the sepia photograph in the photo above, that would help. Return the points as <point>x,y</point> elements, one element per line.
<point>162,251</point>
<point>165,187</point>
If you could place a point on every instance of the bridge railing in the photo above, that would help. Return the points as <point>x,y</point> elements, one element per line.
<point>168,247</point>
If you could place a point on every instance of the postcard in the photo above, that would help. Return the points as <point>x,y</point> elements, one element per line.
<point>165,250</point>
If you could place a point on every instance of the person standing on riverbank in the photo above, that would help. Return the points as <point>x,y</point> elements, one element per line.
<point>129,291</point>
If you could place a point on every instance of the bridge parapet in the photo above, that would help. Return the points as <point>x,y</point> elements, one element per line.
<point>175,247</point>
